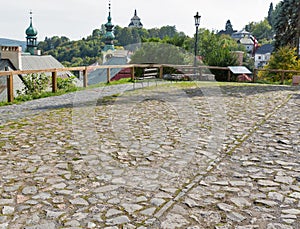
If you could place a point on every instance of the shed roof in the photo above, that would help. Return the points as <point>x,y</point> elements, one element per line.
<point>239,70</point>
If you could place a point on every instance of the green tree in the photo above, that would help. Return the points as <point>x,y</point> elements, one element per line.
<point>284,58</point>
<point>216,50</point>
<point>73,53</point>
<point>167,31</point>
<point>124,37</point>
<point>260,30</point>
<point>228,27</point>
<point>270,17</point>
<point>154,32</point>
<point>159,52</point>
<point>287,23</point>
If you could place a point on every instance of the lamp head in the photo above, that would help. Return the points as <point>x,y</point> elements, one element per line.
<point>197,19</point>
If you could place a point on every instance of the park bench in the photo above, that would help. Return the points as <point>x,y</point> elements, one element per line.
<point>149,74</point>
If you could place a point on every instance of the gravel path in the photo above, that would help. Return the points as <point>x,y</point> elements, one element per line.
<point>171,156</point>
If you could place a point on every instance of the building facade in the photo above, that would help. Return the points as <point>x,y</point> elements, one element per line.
<point>135,21</point>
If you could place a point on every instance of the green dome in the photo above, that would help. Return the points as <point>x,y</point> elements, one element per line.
<point>31,31</point>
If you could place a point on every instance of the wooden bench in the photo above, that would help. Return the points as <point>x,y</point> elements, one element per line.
<point>148,75</point>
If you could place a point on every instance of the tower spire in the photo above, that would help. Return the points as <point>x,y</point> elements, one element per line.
<point>31,37</point>
<point>30,17</point>
<point>109,35</point>
<point>109,9</point>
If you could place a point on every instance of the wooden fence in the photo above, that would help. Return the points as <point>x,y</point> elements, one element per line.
<point>281,72</point>
<point>85,70</point>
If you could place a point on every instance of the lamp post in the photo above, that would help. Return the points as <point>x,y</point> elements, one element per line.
<point>197,23</point>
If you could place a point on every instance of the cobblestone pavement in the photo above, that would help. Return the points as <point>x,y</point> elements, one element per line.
<point>171,156</point>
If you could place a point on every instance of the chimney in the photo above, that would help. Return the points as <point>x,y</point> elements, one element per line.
<point>239,55</point>
<point>12,53</point>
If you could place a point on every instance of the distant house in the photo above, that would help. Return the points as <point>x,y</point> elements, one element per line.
<point>263,55</point>
<point>12,58</point>
<point>228,29</point>
<point>7,65</point>
<point>246,39</point>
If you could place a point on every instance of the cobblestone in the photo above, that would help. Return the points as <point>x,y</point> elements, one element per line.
<point>201,155</point>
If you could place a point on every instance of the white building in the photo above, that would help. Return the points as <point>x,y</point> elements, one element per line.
<point>246,39</point>
<point>263,55</point>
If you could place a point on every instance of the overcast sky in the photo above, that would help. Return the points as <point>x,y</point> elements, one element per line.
<point>76,19</point>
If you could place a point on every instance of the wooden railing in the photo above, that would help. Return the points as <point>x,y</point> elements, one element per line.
<point>281,72</point>
<point>86,69</point>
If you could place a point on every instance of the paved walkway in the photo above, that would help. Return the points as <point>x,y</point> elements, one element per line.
<point>203,156</point>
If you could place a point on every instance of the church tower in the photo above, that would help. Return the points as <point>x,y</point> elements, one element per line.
<point>109,35</point>
<point>31,38</point>
<point>135,21</point>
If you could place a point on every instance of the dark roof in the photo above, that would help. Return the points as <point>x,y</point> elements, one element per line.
<point>6,63</point>
<point>226,32</point>
<point>268,48</point>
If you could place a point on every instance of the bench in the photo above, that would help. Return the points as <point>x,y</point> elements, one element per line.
<point>148,75</point>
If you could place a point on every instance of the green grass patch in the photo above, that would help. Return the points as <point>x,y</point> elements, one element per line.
<point>115,82</point>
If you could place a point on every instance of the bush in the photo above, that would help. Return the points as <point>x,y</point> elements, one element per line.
<point>285,58</point>
<point>66,84</point>
<point>35,84</point>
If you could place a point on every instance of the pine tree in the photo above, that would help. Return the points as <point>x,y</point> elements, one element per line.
<point>270,17</point>
<point>287,24</point>
<point>228,27</point>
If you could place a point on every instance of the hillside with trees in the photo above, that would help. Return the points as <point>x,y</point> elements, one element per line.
<point>281,23</point>
<point>215,49</point>
<point>88,50</point>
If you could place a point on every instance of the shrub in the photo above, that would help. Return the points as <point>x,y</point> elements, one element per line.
<point>66,84</point>
<point>285,58</point>
<point>35,84</point>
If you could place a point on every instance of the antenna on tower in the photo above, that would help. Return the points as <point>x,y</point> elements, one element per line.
<point>109,6</point>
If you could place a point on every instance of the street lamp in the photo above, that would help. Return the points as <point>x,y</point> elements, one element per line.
<point>197,23</point>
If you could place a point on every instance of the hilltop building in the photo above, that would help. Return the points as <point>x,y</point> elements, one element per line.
<point>135,21</point>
